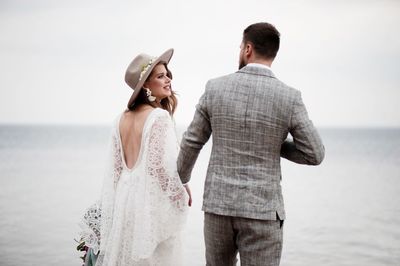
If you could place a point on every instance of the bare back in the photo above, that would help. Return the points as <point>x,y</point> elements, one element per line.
<point>131,128</point>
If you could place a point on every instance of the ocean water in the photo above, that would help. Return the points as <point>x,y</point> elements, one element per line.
<point>344,212</point>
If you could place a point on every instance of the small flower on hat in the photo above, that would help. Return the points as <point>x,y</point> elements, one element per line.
<point>146,67</point>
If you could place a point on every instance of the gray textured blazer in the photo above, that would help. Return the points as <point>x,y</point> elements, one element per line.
<point>249,114</point>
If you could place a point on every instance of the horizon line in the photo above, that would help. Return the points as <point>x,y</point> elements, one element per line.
<point>178,125</point>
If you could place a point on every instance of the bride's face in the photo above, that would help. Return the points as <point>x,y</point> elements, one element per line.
<point>159,83</point>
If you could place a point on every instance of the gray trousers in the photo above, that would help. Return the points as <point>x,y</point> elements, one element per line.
<point>259,242</point>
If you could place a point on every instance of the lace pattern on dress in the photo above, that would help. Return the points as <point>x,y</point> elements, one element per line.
<point>169,182</point>
<point>144,210</point>
<point>90,225</point>
<point>111,178</point>
<point>117,160</point>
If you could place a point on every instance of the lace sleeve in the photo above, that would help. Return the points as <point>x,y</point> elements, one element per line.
<point>90,227</point>
<point>161,161</point>
<point>112,175</point>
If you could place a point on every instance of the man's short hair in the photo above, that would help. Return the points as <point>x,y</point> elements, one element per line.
<point>264,37</point>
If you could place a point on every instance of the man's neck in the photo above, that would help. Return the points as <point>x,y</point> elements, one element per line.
<point>268,63</point>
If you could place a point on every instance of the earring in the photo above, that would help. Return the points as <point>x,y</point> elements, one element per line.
<point>149,96</point>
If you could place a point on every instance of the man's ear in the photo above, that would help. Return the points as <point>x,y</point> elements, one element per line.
<point>248,50</point>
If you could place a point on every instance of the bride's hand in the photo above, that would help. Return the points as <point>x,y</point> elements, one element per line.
<point>189,194</point>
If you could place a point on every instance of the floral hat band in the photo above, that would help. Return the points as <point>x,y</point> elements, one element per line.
<point>139,70</point>
<point>146,67</point>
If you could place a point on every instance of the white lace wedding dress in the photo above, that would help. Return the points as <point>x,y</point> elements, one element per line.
<point>143,209</point>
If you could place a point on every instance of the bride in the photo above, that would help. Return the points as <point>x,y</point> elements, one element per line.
<point>143,204</point>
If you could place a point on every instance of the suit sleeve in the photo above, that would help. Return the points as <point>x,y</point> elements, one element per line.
<point>306,147</point>
<point>196,135</point>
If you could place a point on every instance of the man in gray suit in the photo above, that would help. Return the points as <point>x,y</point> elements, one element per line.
<point>249,114</point>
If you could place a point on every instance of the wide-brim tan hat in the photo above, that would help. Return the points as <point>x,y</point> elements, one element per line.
<point>139,70</point>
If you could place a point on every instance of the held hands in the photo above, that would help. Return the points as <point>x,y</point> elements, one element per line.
<point>189,194</point>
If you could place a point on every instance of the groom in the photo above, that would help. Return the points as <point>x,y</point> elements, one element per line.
<point>249,114</point>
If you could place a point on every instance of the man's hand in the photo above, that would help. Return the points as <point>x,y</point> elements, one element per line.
<point>189,194</point>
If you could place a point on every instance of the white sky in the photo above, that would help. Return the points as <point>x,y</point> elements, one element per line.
<point>63,62</point>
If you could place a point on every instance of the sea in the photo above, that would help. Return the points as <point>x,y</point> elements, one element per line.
<point>345,211</point>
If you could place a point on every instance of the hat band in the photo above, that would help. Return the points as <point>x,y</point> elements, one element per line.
<point>146,67</point>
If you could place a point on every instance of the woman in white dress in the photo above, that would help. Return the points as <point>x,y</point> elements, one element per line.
<point>143,202</point>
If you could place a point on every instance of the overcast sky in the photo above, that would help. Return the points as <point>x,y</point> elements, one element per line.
<point>63,62</point>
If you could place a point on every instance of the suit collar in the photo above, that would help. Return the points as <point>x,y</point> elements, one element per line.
<point>254,70</point>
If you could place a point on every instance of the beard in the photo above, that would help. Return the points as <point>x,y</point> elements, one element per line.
<point>242,63</point>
